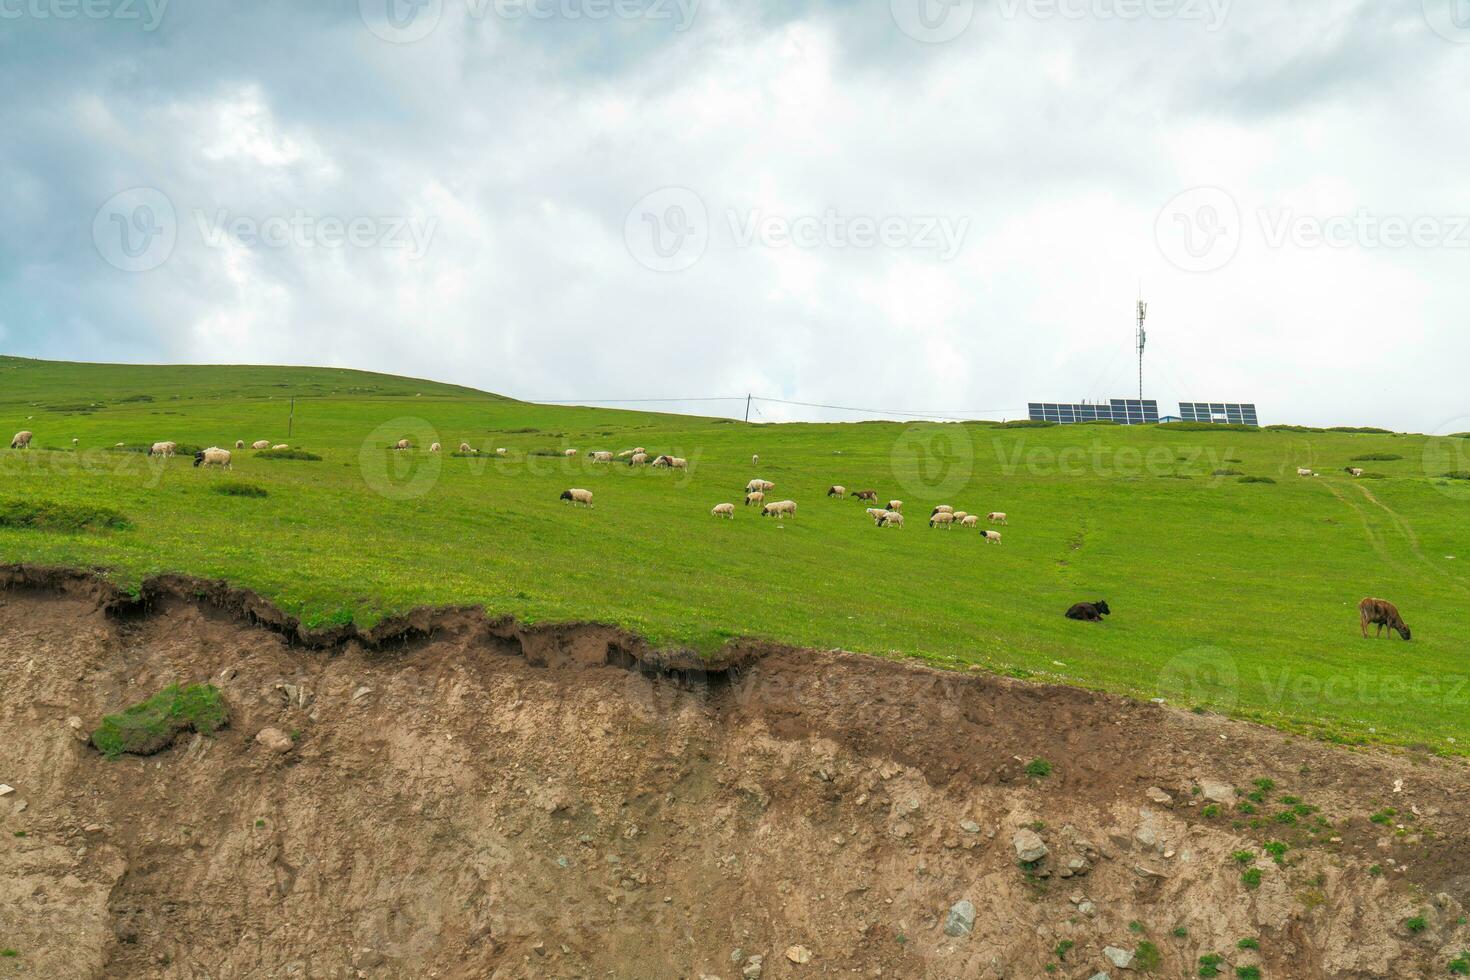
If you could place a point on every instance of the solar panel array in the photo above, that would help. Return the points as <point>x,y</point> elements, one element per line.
<point>1124,411</point>
<point>1233,413</point>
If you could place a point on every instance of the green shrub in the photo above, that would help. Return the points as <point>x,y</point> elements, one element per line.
<point>1255,479</point>
<point>151,726</point>
<point>1460,965</point>
<point>1251,878</point>
<point>1209,964</point>
<point>1244,857</point>
<point>1376,458</point>
<point>1228,473</point>
<point>235,488</point>
<point>45,515</point>
<point>1367,430</point>
<point>300,454</point>
<point>1038,768</point>
<point>1248,973</point>
<point>1457,475</point>
<point>1416,924</point>
<point>1147,958</point>
<point>1027,424</point>
<point>1248,944</point>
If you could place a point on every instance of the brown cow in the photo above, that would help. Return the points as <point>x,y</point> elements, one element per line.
<point>1381,613</point>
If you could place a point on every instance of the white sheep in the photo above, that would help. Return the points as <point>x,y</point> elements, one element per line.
<point>583,497</point>
<point>261,444</point>
<point>1354,471</point>
<point>837,491</point>
<point>755,460</point>
<point>402,444</point>
<point>639,459</point>
<point>960,515</point>
<point>781,508</point>
<point>76,442</point>
<point>895,505</point>
<point>876,513</point>
<point>942,509</point>
<point>435,448</point>
<point>970,520</point>
<point>466,448</point>
<point>764,486</point>
<point>943,519</point>
<point>502,452</point>
<point>991,537</point>
<point>22,440</point>
<point>601,457</point>
<point>891,518</point>
<point>997,517</point>
<point>213,456</point>
<point>723,510</point>
<point>280,447</point>
<point>754,497</point>
<point>1302,471</point>
<point>163,449</point>
<point>638,449</point>
<point>239,443</point>
<point>569,453</point>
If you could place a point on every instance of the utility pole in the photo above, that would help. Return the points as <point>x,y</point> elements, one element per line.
<point>1142,342</point>
<point>747,407</point>
<point>291,421</point>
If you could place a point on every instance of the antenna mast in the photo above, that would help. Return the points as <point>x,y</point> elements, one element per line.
<point>1142,342</point>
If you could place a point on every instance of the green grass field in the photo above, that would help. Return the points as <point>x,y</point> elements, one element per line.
<point>1231,596</point>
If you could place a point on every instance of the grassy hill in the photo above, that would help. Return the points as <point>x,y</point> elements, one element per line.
<point>1231,596</point>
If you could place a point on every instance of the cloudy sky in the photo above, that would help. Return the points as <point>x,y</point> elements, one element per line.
<point>941,206</point>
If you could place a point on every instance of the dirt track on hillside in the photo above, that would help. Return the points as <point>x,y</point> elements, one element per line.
<point>468,798</point>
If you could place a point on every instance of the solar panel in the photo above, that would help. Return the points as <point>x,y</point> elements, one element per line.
<point>1124,411</point>
<point>1234,413</point>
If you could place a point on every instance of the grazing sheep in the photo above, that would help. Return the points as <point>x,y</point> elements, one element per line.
<point>942,509</point>
<point>281,447</point>
<point>970,520</point>
<point>583,497</point>
<point>466,448</point>
<point>1302,471</point>
<point>213,456</point>
<point>996,517</point>
<point>1354,471</point>
<point>1381,613</point>
<point>991,537</point>
<point>960,515</point>
<point>781,508</point>
<point>755,460</point>
<point>1090,612</point>
<point>239,443</point>
<point>569,453</point>
<point>22,440</point>
<point>869,495</point>
<point>402,444</point>
<point>625,454</point>
<point>764,486</point>
<point>163,449</point>
<point>876,513</point>
<point>679,462</point>
<point>76,442</point>
<point>663,462</point>
<point>601,457</point>
<point>942,519</point>
<point>639,459</point>
<point>836,491</point>
<point>261,444</point>
<point>891,518</point>
<point>435,448</point>
<point>121,445</point>
<point>638,449</point>
<point>755,497</point>
<point>895,505</point>
<point>723,510</point>
<point>502,452</point>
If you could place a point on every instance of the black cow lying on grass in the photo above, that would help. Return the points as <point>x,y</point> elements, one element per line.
<point>1090,612</point>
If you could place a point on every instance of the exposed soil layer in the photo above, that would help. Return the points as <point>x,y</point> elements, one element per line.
<point>464,797</point>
